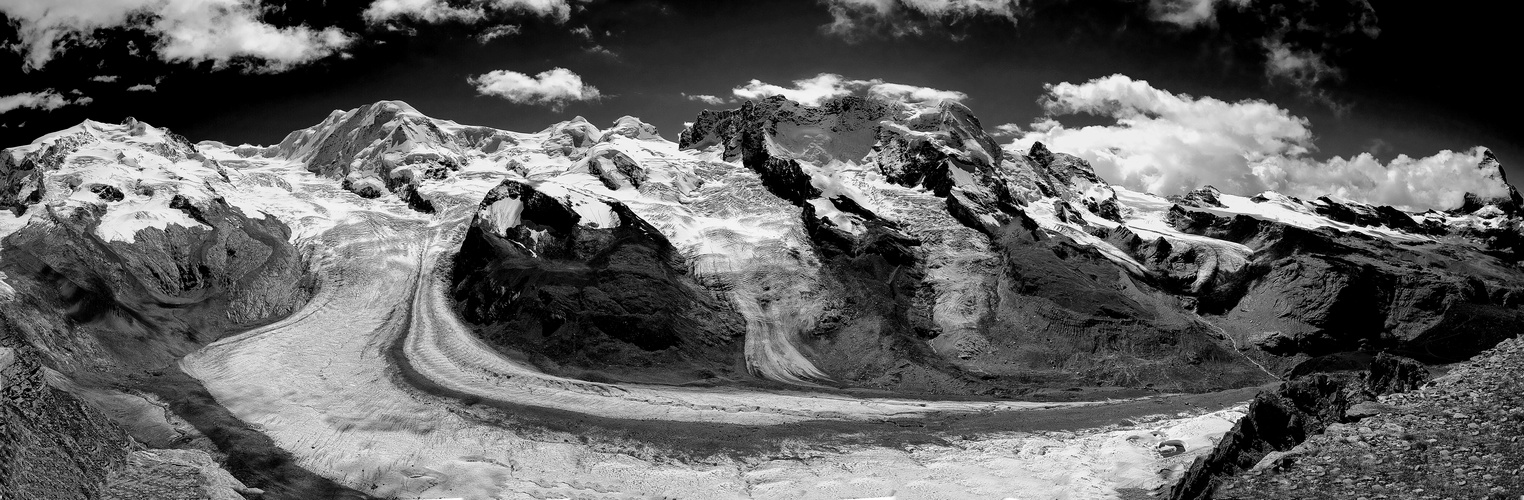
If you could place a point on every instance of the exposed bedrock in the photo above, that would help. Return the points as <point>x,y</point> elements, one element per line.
<point>590,289</point>
<point>56,443</point>
<point>1305,292</point>
<point>52,445</point>
<point>1277,421</point>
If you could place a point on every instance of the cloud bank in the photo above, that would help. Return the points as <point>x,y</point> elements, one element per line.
<point>224,32</point>
<point>1166,143</point>
<point>705,98</point>
<point>1297,40</point>
<point>46,100</point>
<point>854,19</point>
<point>812,91</point>
<point>439,11</point>
<point>554,88</point>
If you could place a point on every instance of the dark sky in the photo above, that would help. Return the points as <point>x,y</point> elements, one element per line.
<point>1434,78</point>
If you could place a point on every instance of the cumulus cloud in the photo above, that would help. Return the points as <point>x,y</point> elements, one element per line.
<point>219,31</point>
<point>814,90</point>
<point>142,87</point>
<point>1167,143</point>
<point>46,100</point>
<point>439,11</point>
<point>554,88</point>
<point>854,18</point>
<point>912,93</point>
<point>705,98</point>
<point>103,78</point>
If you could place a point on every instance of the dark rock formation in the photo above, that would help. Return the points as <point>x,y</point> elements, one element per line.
<point>1205,197</point>
<point>615,169</point>
<point>1317,292</point>
<point>1390,374</point>
<point>1280,420</point>
<point>587,298</point>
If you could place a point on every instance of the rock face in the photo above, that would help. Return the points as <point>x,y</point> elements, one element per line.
<point>1314,292</point>
<point>56,445</point>
<point>584,282</point>
<point>51,444</point>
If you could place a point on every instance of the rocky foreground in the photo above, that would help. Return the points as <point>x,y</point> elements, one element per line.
<point>1386,432</point>
<point>1460,436</point>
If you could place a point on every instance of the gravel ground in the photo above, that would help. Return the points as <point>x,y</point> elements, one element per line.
<point>1459,437</point>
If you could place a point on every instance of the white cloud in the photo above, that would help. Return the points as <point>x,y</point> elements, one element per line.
<point>438,11</point>
<point>430,11</point>
<point>911,93</point>
<point>220,31</point>
<point>142,87</point>
<point>705,98</point>
<point>103,78</point>
<point>1168,143</point>
<point>809,91</point>
<point>46,100</point>
<point>812,91</point>
<point>1189,13</point>
<point>555,88</point>
<point>853,18</point>
<point>497,32</point>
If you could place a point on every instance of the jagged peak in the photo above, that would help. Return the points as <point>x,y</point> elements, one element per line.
<point>1511,203</point>
<point>1039,153</point>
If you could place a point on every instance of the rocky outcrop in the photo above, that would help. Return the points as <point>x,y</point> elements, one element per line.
<point>52,445</point>
<point>588,288</point>
<point>1455,437</point>
<point>1316,292</point>
<point>1276,422</point>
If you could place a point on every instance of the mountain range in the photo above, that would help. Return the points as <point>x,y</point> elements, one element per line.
<point>388,304</point>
